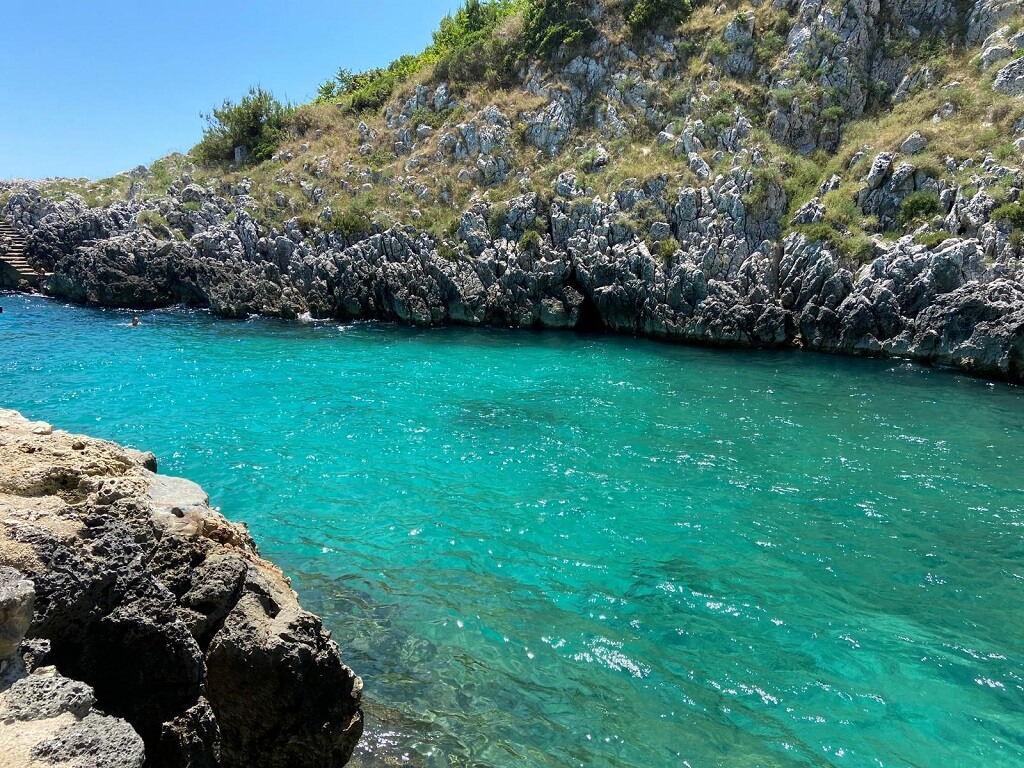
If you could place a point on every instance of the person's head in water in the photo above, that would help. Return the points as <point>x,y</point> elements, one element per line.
<point>135,321</point>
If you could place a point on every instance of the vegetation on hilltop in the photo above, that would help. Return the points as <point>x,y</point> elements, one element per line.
<point>358,157</point>
<point>257,123</point>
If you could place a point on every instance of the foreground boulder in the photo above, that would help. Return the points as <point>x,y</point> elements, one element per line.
<point>165,611</point>
<point>45,718</point>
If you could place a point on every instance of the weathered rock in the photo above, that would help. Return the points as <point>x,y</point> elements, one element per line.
<point>1010,79</point>
<point>45,718</point>
<point>914,144</point>
<point>143,592</point>
<point>17,598</point>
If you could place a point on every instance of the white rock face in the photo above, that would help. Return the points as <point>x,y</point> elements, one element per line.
<point>1010,79</point>
<point>914,144</point>
<point>987,15</point>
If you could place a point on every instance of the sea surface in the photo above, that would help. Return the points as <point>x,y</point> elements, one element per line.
<point>546,549</point>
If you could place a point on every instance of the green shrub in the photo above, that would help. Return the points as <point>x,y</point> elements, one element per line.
<point>257,122</point>
<point>530,241</point>
<point>766,184</point>
<point>667,249</point>
<point>783,96</point>
<point>464,50</point>
<point>721,121</point>
<point>821,232</point>
<point>718,48</point>
<point>497,219</point>
<point>642,15</point>
<point>1006,151</point>
<point>856,250</point>
<point>919,205</point>
<point>1011,212</point>
<point>352,223</point>
<point>1016,240</point>
<point>833,114</point>
<point>769,46</point>
<point>380,157</point>
<point>158,225</point>
<point>427,116</point>
<point>548,25</point>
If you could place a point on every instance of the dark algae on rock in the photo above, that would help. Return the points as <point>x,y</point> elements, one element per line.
<point>183,639</point>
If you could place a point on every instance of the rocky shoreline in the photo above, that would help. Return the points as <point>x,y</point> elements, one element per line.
<point>846,178</point>
<point>139,626</point>
<point>732,281</point>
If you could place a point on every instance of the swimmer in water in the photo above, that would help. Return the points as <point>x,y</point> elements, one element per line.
<point>135,321</point>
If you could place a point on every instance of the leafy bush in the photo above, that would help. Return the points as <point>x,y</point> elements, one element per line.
<point>667,249</point>
<point>157,224</point>
<point>1016,240</point>
<point>311,117</point>
<point>721,121</point>
<point>918,205</point>
<point>821,232</point>
<point>769,46</point>
<point>551,24</point>
<point>530,241</point>
<point>718,48</point>
<point>783,96</point>
<point>351,223</point>
<point>464,50</point>
<point>371,89</point>
<point>257,122</point>
<point>643,15</point>
<point>1011,212</point>
<point>833,114</point>
<point>856,250</point>
<point>853,249</point>
<point>497,218</point>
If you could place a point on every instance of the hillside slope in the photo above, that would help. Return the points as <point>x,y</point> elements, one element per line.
<point>839,176</point>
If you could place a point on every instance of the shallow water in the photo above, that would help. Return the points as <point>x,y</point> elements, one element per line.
<point>548,549</point>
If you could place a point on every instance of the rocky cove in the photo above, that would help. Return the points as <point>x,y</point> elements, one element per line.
<point>844,178</point>
<point>904,246</point>
<point>176,643</point>
<point>733,282</point>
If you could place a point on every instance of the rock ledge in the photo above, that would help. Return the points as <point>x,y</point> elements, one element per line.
<point>149,619</point>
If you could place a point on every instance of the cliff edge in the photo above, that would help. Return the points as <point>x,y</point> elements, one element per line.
<point>143,607</point>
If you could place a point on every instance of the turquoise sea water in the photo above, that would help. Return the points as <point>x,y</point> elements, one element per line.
<point>559,550</point>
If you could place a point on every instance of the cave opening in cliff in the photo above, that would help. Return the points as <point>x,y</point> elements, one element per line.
<point>590,318</point>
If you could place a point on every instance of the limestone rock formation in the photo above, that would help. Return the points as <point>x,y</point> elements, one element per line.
<point>47,720</point>
<point>165,611</point>
<point>721,236</point>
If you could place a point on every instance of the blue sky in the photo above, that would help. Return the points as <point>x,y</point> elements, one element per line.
<point>92,89</point>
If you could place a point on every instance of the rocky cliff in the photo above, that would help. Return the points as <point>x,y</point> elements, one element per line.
<point>845,177</point>
<point>153,631</point>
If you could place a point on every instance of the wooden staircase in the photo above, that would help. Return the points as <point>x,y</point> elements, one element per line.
<point>17,267</point>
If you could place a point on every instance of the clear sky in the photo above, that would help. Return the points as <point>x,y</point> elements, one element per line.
<point>95,88</point>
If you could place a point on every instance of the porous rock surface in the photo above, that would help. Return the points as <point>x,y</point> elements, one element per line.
<point>47,720</point>
<point>156,619</point>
